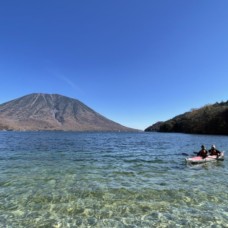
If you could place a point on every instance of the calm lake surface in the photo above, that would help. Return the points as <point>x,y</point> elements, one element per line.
<point>65,179</point>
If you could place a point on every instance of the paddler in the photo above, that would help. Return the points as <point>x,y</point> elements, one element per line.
<point>214,151</point>
<point>203,152</point>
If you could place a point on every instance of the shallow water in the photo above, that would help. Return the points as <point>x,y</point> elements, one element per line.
<point>57,179</point>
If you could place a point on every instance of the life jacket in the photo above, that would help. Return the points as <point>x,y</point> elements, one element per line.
<point>203,152</point>
<point>213,152</point>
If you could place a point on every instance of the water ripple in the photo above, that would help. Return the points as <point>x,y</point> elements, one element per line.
<point>57,179</point>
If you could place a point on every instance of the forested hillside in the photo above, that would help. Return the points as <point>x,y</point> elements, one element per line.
<point>210,119</point>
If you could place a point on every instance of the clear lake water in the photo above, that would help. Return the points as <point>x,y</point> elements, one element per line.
<point>69,179</point>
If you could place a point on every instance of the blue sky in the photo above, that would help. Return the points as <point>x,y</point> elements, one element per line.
<point>134,61</point>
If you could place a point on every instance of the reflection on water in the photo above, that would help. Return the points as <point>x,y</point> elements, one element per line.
<point>56,179</point>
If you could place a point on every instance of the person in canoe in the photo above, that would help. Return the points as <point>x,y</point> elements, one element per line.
<point>214,151</point>
<point>203,152</point>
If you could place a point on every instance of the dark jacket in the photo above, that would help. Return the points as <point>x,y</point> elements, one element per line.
<point>213,151</point>
<point>202,153</point>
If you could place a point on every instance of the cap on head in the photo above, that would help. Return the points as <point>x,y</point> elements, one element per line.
<point>213,146</point>
<point>203,147</point>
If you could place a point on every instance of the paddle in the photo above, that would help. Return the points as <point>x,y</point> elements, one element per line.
<point>184,154</point>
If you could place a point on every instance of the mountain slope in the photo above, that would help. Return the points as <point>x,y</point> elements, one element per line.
<point>53,112</point>
<point>210,119</point>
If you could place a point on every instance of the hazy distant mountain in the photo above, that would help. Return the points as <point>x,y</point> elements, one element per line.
<point>53,112</point>
<point>210,119</point>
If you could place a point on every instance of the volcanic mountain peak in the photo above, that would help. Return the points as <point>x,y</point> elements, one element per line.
<point>41,111</point>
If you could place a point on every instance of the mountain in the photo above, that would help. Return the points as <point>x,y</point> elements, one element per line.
<point>210,119</point>
<point>53,112</point>
<point>155,127</point>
